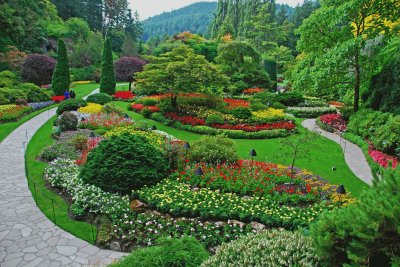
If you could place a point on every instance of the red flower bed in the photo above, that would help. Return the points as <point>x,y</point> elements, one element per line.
<point>382,158</point>
<point>152,108</point>
<point>185,119</point>
<point>287,125</point>
<point>91,144</point>
<point>57,98</point>
<point>251,91</point>
<point>236,103</point>
<point>336,104</point>
<point>137,107</point>
<point>140,107</point>
<point>124,95</point>
<point>336,121</point>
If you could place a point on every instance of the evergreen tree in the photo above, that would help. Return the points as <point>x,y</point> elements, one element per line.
<point>128,47</point>
<point>107,80</point>
<point>61,79</point>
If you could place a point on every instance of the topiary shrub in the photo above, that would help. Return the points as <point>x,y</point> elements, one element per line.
<point>38,69</point>
<point>214,119</point>
<point>107,79</point>
<point>99,98</point>
<point>149,102</point>
<point>61,80</point>
<point>68,122</point>
<point>70,105</point>
<point>124,163</point>
<point>290,98</point>
<point>270,248</point>
<point>37,95</point>
<point>242,113</point>
<point>186,251</point>
<point>214,150</point>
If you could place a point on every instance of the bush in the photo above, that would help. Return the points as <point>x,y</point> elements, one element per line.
<point>107,80</point>
<point>99,98</point>
<point>36,95</point>
<point>83,74</point>
<point>149,102</point>
<point>266,97</point>
<point>387,137</point>
<point>68,122</point>
<point>21,102</point>
<point>256,106</point>
<point>278,105</point>
<point>242,113</point>
<point>290,98</point>
<point>165,105</point>
<point>8,79</point>
<point>146,113</point>
<point>302,112</point>
<point>366,122</point>
<point>70,105</point>
<point>214,150</point>
<point>365,233</point>
<point>157,116</point>
<point>270,248</point>
<point>38,69</point>
<point>124,163</point>
<point>186,251</point>
<point>9,96</point>
<point>214,119</point>
<point>80,142</point>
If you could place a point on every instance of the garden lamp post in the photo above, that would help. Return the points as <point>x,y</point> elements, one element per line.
<point>341,191</point>
<point>199,171</point>
<point>253,154</point>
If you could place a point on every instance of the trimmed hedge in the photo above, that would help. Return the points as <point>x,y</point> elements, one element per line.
<point>99,98</point>
<point>70,105</point>
<point>310,112</point>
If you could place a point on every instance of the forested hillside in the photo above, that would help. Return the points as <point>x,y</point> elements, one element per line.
<point>194,18</point>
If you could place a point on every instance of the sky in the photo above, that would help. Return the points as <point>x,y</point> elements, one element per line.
<point>148,8</point>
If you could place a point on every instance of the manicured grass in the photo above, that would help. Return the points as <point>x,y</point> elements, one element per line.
<point>83,90</point>
<point>7,128</point>
<point>323,155</point>
<point>44,196</point>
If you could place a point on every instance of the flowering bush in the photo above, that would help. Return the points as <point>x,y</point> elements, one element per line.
<point>91,108</point>
<point>269,114</point>
<point>104,120</point>
<point>185,119</point>
<point>381,158</point>
<point>336,121</point>
<point>13,112</point>
<point>124,95</point>
<point>269,248</point>
<point>310,112</point>
<point>91,144</point>
<point>137,107</point>
<point>286,125</point>
<point>251,91</point>
<point>236,103</point>
<point>57,98</point>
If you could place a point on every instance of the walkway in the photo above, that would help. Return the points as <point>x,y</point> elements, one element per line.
<point>353,155</point>
<point>27,237</point>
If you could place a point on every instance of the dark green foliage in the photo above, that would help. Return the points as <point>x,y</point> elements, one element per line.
<point>387,137</point>
<point>8,79</point>
<point>124,163</point>
<point>384,91</point>
<point>8,96</point>
<point>271,68</point>
<point>365,123</point>
<point>146,113</point>
<point>242,113</point>
<point>290,98</point>
<point>165,105</point>
<point>214,150</point>
<point>107,80</point>
<point>70,105</point>
<point>61,79</point>
<point>37,95</point>
<point>278,105</point>
<point>68,122</point>
<point>83,74</point>
<point>149,102</point>
<point>257,105</point>
<point>266,97</point>
<point>195,18</point>
<point>366,233</point>
<point>214,119</point>
<point>184,252</point>
<point>99,98</point>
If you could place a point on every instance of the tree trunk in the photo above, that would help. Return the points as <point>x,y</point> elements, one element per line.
<point>357,77</point>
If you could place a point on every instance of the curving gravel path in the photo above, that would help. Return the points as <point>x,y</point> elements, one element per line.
<point>27,237</point>
<point>353,155</point>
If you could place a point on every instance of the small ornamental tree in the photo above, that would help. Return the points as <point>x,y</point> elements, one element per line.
<point>61,79</point>
<point>126,67</point>
<point>38,69</point>
<point>107,80</point>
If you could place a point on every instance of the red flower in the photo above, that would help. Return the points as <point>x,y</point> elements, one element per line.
<point>57,98</point>
<point>124,95</point>
<point>236,103</point>
<point>137,107</point>
<point>382,159</point>
<point>336,121</point>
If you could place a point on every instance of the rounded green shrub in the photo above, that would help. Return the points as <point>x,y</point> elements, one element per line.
<point>290,99</point>
<point>146,113</point>
<point>256,106</point>
<point>124,163</point>
<point>68,122</point>
<point>37,95</point>
<point>270,248</point>
<point>242,113</point>
<point>278,105</point>
<point>9,96</point>
<point>99,98</point>
<point>70,105</point>
<point>387,137</point>
<point>149,102</point>
<point>186,251</point>
<point>214,119</point>
<point>214,150</point>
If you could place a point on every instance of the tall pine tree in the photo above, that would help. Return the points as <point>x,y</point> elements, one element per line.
<point>61,79</point>
<point>107,80</point>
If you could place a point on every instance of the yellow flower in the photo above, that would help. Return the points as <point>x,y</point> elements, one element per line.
<point>270,113</point>
<point>91,108</point>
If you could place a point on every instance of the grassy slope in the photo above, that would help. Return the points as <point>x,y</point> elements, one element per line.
<point>84,89</point>
<point>322,157</point>
<point>35,169</point>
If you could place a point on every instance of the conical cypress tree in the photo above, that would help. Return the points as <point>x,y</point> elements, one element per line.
<point>61,80</point>
<point>107,80</point>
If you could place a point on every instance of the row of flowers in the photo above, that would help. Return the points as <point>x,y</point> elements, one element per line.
<point>336,121</point>
<point>382,159</point>
<point>13,112</point>
<point>105,121</point>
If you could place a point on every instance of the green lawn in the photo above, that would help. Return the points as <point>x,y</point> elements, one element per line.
<point>322,157</point>
<point>84,89</point>
<point>7,128</point>
<point>34,170</point>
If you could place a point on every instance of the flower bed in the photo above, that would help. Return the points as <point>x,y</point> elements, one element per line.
<point>310,112</point>
<point>91,108</point>
<point>236,103</point>
<point>105,121</point>
<point>123,95</point>
<point>269,114</point>
<point>58,98</point>
<point>335,121</point>
<point>189,120</point>
<point>251,91</point>
<point>9,113</point>
<point>382,159</point>
<point>40,105</point>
